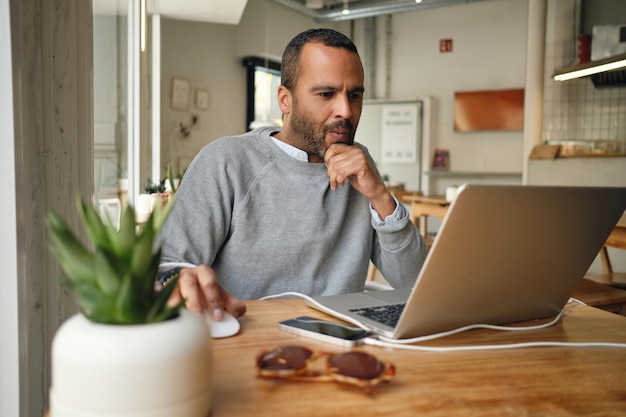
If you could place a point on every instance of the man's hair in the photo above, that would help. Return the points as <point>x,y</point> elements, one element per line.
<point>290,66</point>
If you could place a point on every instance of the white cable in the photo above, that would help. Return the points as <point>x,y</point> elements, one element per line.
<point>319,306</point>
<point>576,300</point>
<point>375,342</point>
<point>383,341</point>
<point>472,327</point>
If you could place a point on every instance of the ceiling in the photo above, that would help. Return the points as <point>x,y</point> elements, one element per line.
<point>211,11</point>
<point>214,11</point>
<point>230,11</point>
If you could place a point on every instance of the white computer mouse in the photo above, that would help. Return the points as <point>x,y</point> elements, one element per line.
<point>228,326</point>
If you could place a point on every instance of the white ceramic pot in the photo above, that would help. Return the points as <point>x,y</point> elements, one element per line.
<point>156,370</point>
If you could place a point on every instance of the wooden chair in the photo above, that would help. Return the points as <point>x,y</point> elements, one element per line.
<point>608,276</point>
<point>606,290</point>
<point>422,208</point>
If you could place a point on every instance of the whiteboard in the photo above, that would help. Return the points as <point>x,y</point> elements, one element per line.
<point>392,132</point>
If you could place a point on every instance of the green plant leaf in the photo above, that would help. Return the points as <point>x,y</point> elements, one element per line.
<point>171,177</point>
<point>146,281</point>
<point>168,312</point>
<point>127,234</point>
<point>114,283</point>
<point>142,250</point>
<point>95,305</point>
<point>159,305</point>
<point>128,304</point>
<point>72,255</point>
<point>93,225</point>
<point>160,214</point>
<point>109,271</point>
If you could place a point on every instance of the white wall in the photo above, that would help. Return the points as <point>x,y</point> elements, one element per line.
<point>409,65</point>
<point>489,45</point>
<point>202,54</point>
<point>9,347</point>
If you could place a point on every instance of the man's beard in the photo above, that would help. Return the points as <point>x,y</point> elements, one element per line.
<point>309,138</point>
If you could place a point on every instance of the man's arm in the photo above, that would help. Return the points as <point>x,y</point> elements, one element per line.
<point>399,249</point>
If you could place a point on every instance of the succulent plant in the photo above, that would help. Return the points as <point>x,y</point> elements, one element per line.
<point>114,281</point>
<point>154,187</point>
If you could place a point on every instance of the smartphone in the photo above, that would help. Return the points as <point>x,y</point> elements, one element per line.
<point>327,331</point>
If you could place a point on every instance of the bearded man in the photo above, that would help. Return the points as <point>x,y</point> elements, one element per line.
<point>300,208</point>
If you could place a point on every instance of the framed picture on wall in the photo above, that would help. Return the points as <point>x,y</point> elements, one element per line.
<point>489,110</point>
<point>202,99</point>
<point>180,93</point>
<point>441,160</point>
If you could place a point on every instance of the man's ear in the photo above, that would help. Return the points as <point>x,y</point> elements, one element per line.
<point>284,99</point>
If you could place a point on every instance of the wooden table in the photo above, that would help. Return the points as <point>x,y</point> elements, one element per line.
<point>542,381</point>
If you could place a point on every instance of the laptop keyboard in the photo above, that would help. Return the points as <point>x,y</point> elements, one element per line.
<point>387,314</point>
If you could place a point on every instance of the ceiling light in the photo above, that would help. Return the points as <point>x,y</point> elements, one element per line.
<point>345,10</point>
<point>590,68</point>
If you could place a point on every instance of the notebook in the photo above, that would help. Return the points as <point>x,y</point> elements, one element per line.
<point>503,254</point>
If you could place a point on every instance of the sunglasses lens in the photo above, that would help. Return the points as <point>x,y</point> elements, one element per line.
<point>355,364</point>
<point>284,358</point>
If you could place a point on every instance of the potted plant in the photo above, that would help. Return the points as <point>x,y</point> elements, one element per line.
<point>154,195</point>
<point>128,353</point>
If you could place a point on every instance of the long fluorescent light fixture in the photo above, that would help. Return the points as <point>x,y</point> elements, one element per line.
<point>368,8</point>
<point>590,68</point>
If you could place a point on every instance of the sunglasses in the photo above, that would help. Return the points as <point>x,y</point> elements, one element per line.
<point>352,367</point>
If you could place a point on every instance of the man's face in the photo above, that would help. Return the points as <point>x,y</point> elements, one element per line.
<point>327,100</point>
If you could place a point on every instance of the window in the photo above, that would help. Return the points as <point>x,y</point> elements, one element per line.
<point>263,79</point>
<point>126,98</point>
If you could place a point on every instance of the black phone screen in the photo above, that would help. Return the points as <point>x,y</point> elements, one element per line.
<point>328,328</point>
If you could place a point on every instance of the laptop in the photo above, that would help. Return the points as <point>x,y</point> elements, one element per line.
<point>503,254</point>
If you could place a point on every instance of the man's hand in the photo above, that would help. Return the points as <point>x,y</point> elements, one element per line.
<point>350,162</point>
<point>201,291</point>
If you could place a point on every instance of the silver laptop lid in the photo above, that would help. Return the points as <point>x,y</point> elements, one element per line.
<point>506,254</point>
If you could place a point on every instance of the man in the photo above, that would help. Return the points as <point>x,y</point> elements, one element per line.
<point>300,208</point>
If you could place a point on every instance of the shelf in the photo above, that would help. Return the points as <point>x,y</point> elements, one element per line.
<point>571,149</point>
<point>470,174</point>
<point>595,155</point>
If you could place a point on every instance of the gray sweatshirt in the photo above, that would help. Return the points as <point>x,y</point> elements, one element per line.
<point>269,223</point>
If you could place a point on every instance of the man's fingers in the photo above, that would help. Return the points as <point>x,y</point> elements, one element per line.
<point>201,291</point>
<point>188,289</point>
<point>175,297</point>
<point>211,291</point>
<point>233,305</point>
<point>338,163</point>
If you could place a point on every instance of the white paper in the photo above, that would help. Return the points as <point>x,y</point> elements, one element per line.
<point>399,133</point>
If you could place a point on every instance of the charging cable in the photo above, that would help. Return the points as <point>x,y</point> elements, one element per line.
<point>387,342</point>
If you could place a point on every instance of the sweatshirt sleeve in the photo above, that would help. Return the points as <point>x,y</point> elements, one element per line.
<point>399,249</point>
<point>198,222</point>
